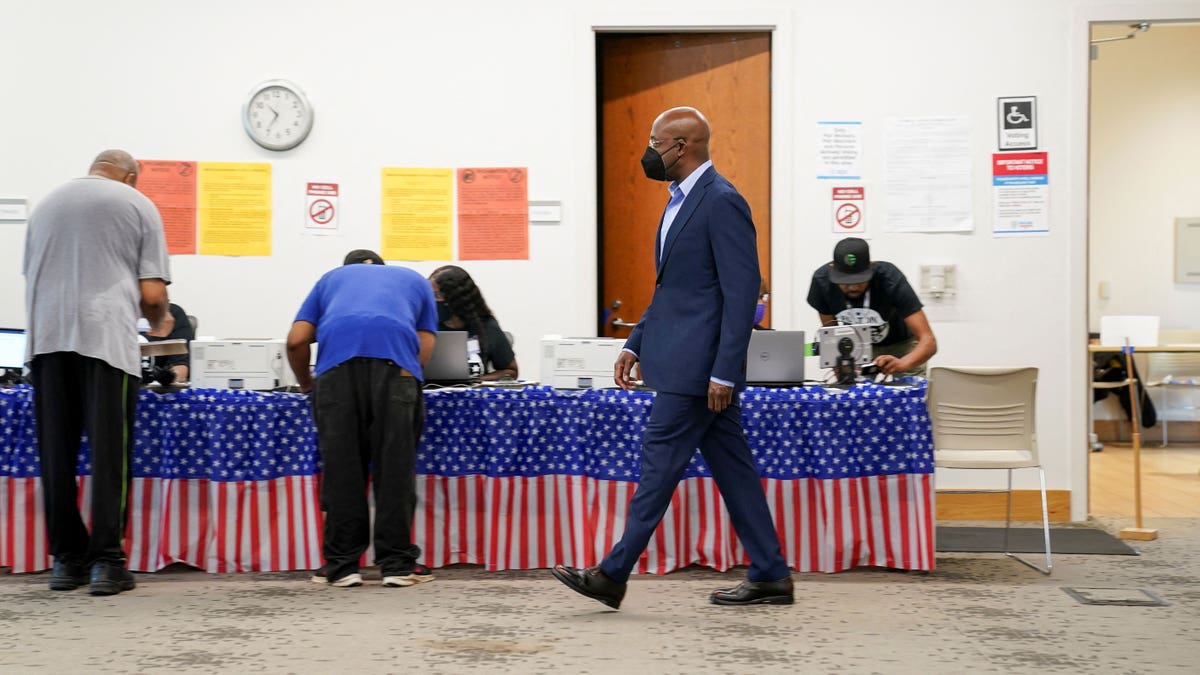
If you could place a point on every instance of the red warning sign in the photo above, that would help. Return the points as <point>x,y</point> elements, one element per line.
<point>848,205</point>
<point>322,212</point>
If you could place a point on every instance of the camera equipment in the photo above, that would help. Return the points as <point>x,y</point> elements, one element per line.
<point>163,375</point>
<point>844,349</point>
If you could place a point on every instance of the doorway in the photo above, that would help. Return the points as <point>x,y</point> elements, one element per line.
<point>1142,141</point>
<point>725,75</point>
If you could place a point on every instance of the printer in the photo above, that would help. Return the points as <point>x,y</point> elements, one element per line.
<point>241,364</point>
<point>579,363</point>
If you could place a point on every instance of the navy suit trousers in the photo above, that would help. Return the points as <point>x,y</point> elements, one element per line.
<point>678,425</point>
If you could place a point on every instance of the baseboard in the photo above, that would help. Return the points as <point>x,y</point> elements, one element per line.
<point>1026,505</point>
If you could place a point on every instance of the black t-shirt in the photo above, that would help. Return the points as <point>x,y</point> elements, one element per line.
<point>181,331</point>
<point>498,353</point>
<point>889,294</point>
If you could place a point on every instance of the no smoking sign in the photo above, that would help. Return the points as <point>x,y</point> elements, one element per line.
<point>322,213</point>
<point>848,203</point>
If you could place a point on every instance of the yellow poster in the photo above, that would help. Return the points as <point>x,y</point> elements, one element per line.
<point>234,201</point>
<point>416,214</point>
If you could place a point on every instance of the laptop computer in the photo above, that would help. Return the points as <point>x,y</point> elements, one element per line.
<point>448,364</point>
<point>12,355</point>
<point>775,358</point>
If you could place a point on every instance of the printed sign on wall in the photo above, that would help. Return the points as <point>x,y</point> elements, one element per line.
<point>1017,123</point>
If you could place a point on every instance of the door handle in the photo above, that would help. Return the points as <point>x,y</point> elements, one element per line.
<point>618,323</point>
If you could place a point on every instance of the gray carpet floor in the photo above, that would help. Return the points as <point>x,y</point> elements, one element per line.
<point>974,613</point>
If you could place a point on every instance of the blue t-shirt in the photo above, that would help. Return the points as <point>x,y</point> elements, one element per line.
<point>372,311</point>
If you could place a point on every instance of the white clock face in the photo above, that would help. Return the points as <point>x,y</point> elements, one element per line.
<point>277,116</point>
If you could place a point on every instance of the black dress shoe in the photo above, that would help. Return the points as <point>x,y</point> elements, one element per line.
<point>755,593</point>
<point>110,578</point>
<point>67,576</point>
<point>593,583</point>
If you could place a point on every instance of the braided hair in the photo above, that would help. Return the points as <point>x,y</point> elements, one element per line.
<point>464,300</point>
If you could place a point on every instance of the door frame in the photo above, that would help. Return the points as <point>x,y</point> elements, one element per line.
<point>779,23</point>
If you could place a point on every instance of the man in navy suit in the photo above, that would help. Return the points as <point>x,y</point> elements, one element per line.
<point>690,347</point>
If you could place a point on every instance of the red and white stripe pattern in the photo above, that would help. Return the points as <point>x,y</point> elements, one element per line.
<point>500,523</point>
<point>218,527</point>
<point>23,543</point>
<point>528,523</point>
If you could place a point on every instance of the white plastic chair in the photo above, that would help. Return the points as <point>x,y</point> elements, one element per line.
<point>983,418</point>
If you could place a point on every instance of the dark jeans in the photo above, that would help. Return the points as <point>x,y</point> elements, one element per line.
<point>73,393</point>
<point>369,418</point>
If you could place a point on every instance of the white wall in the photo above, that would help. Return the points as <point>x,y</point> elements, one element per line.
<point>1145,171</point>
<point>478,83</point>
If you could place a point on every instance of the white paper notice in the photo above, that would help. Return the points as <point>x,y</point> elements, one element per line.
<point>928,174</point>
<point>839,150</point>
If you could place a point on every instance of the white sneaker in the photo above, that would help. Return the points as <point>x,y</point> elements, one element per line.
<point>419,575</point>
<point>348,581</point>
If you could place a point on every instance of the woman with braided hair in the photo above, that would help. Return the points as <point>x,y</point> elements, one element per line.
<point>461,307</point>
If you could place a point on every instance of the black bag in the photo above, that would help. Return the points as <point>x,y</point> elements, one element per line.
<point>1110,367</point>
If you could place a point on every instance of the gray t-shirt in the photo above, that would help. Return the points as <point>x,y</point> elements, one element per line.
<point>87,245</point>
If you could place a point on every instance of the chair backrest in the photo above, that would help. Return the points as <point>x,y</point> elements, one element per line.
<point>1142,331</point>
<point>195,323</point>
<point>983,408</point>
<point>510,337</point>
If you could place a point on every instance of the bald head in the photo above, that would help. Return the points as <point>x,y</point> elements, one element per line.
<point>115,165</point>
<point>688,129</point>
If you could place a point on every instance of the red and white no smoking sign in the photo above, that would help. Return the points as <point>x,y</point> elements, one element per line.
<point>848,204</point>
<point>322,211</point>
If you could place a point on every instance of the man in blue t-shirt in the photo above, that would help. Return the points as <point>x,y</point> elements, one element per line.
<point>376,325</point>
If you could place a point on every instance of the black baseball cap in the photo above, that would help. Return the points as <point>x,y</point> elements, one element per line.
<point>851,262</point>
<point>359,255</point>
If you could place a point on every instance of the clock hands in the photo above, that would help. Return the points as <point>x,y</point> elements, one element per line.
<point>273,119</point>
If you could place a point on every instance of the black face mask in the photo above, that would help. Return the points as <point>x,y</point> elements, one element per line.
<point>444,313</point>
<point>654,166</point>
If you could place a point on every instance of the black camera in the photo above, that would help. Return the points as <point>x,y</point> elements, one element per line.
<point>163,375</point>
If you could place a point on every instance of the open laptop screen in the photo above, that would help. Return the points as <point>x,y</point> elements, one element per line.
<point>12,348</point>
<point>448,364</point>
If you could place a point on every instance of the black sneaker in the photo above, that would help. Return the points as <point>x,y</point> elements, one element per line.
<point>419,574</point>
<point>345,581</point>
<point>67,576</point>
<point>109,578</point>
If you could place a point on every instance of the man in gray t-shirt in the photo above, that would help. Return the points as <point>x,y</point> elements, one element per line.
<point>95,260</point>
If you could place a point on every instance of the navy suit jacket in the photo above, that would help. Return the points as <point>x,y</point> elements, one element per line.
<point>699,320</point>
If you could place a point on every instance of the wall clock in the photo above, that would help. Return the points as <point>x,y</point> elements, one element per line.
<point>277,115</point>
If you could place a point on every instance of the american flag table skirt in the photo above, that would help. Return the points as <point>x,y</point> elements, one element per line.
<point>228,481</point>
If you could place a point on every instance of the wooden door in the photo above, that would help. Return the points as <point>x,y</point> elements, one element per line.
<point>727,76</point>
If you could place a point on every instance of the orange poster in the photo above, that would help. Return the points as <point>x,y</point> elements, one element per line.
<point>493,214</point>
<point>171,186</point>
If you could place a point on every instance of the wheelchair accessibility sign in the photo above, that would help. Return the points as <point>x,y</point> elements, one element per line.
<point>1016,119</point>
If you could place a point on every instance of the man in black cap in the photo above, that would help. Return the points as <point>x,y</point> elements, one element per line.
<point>851,289</point>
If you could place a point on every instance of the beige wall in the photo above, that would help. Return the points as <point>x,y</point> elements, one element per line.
<point>1145,171</point>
